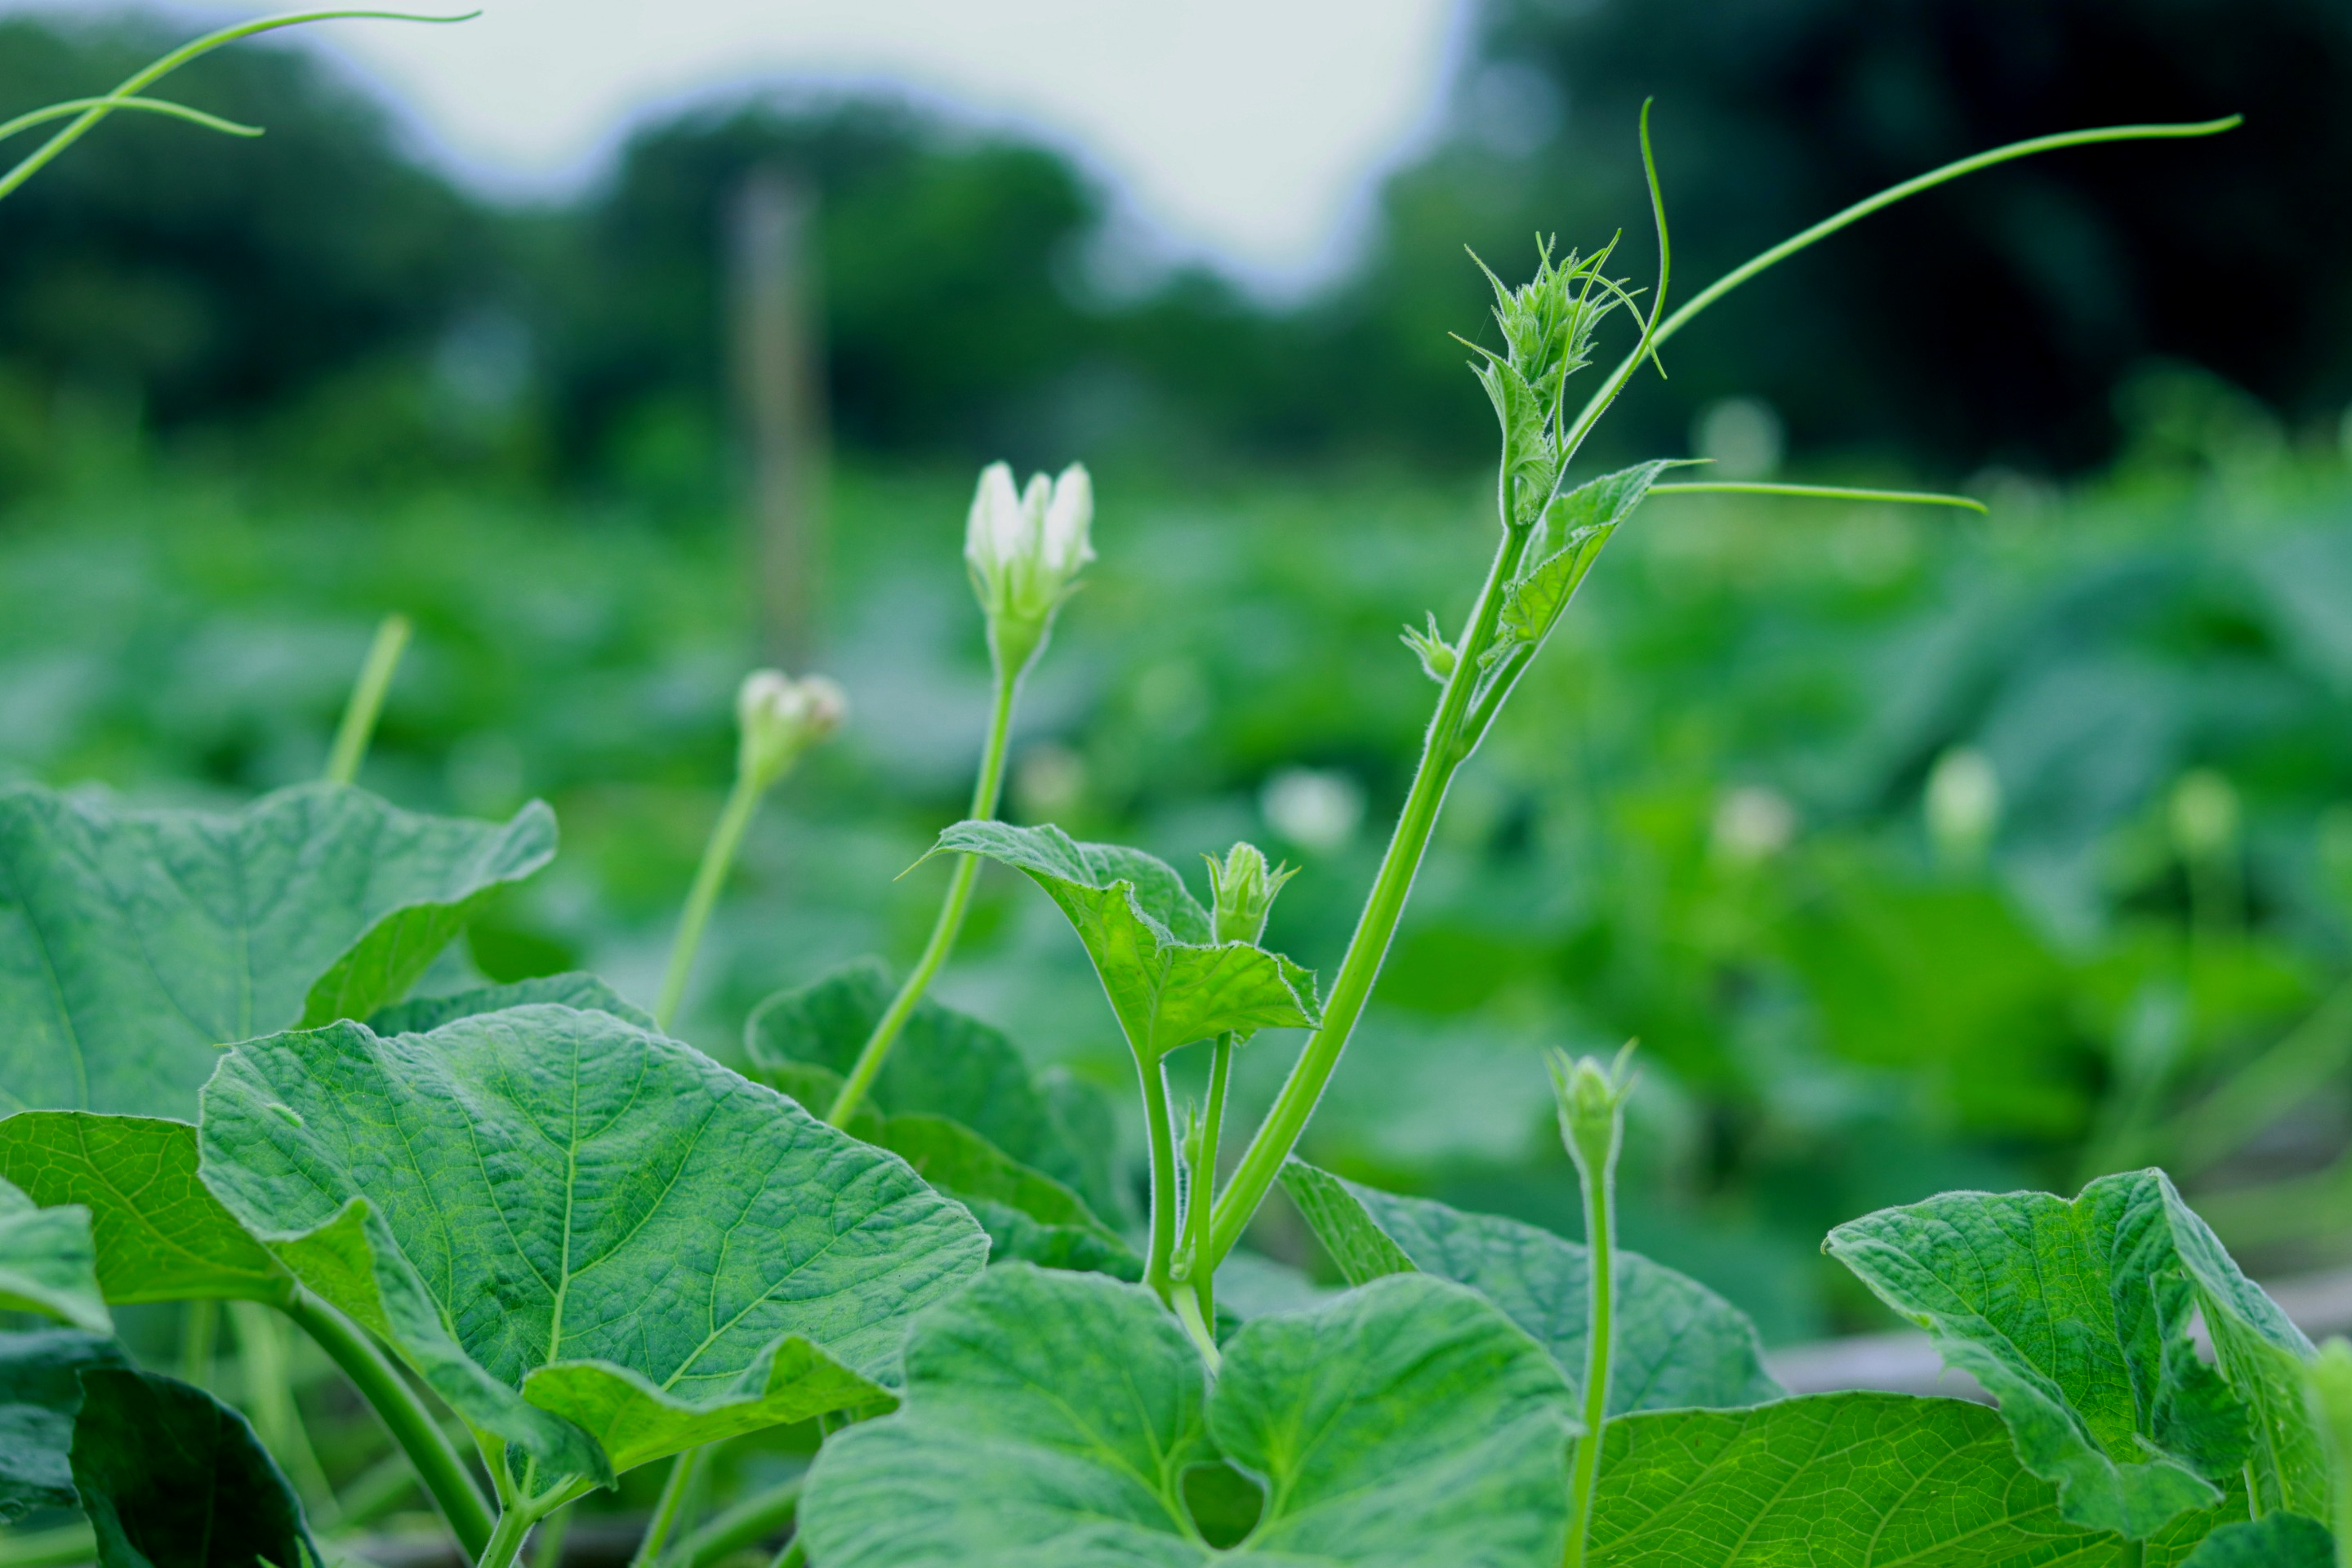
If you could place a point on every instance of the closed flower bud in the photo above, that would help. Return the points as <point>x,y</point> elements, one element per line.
<point>1590,1100</point>
<point>1024,549</point>
<point>1245,889</point>
<point>779,718</point>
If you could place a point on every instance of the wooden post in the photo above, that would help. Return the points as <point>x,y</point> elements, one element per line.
<point>779,363</point>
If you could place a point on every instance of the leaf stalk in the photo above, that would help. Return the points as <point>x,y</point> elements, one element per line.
<point>366,704</point>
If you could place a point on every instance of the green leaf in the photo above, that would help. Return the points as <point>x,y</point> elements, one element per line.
<point>1050,1420</point>
<point>945,1063</point>
<point>1678,1343</point>
<point>1167,982</point>
<point>2274,1541</point>
<point>40,1392</point>
<point>424,1013</point>
<point>593,1241</point>
<point>1575,528</point>
<point>2077,1317</point>
<point>47,1262</point>
<point>161,1234</point>
<point>134,944</point>
<point>172,1478</point>
<point>1857,1481</point>
<point>1028,1215</point>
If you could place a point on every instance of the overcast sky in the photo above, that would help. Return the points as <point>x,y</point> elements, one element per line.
<point>1248,131</point>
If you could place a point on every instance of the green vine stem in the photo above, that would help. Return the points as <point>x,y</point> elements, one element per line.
<point>709,876</point>
<point>125,95</point>
<point>403,1413</point>
<point>745,1524</point>
<point>985,792</point>
<point>366,704</point>
<point>683,1474</point>
<point>1201,1273</point>
<point>1444,749</point>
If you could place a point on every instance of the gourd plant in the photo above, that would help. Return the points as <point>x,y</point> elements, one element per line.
<point>549,1244</point>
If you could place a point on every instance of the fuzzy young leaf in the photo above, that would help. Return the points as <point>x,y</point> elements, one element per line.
<point>134,944</point>
<point>1167,982</point>
<point>172,1478</point>
<point>1530,462</point>
<point>1576,527</point>
<point>47,1262</point>
<point>1050,1419</point>
<point>1860,1481</point>
<point>2077,1316</point>
<point>590,1240</point>
<point>161,1234</point>
<point>1678,1343</point>
<point>424,1014</point>
<point>40,1392</point>
<point>2274,1540</point>
<point>945,1063</point>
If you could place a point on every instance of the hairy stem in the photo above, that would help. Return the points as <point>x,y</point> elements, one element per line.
<point>747,1523</point>
<point>985,791</point>
<point>1163,1135</point>
<point>1261,1163</point>
<point>1199,1203</point>
<point>403,1413</point>
<point>199,1328</point>
<point>358,728</point>
<point>718,860</point>
<point>505,1539</point>
<point>1597,1177</point>
<point>682,1473</point>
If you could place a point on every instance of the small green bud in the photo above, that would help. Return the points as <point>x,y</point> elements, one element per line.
<point>1245,889</point>
<point>1591,1100</point>
<point>777,718</point>
<point>2204,811</point>
<point>1963,805</point>
<point>1024,549</point>
<point>1436,655</point>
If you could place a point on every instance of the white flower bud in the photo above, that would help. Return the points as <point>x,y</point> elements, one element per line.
<point>1025,551</point>
<point>779,718</point>
<point>1963,805</point>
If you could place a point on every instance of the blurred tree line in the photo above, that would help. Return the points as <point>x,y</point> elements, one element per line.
<point>321,299</point>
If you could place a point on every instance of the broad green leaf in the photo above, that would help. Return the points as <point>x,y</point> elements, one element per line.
<point>161,1234</point>
<point>1852,1480</point>
<point>2274,1541</point>
<point>2077,1317</point>
<point>1029,1217</point>
<point>47,1262</point>
<point>1678,1343</point>
<point>172,1478</point>
<point>1050,1421</point>
<point>944,1063</point>
<point>1167,982</point>
<point>593,1241</point>
<point>134,944</point>
<point>585,992</point>
<point>40,1391</point>
<point>1576,527</point>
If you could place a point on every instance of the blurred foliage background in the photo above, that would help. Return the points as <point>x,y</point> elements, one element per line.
<point>1919,852</point>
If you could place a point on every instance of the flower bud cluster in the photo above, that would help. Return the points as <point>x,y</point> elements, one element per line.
<point>1024,549</point>
<point>1546,326</point>
<point>1244,888</point>
<point>777,719</point>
